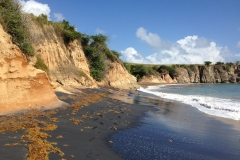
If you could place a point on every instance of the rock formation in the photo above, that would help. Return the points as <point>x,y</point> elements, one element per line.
<point>199,74</point>
<point>118,77</point>
<point>22,86</point>
<point>67,63</point>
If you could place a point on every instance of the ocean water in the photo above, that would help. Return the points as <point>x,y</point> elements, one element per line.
<point>222,100</point>
<point>180,131</point>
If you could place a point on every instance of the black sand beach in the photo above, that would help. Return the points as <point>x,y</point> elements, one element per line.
<point>87,131</point>
<point>82,129</point>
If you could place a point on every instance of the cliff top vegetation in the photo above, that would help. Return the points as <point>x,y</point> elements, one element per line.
<point>15,22</point>
<point>140,70</point>
<point>12,20</point>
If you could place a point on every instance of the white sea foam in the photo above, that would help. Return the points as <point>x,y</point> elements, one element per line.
<point>226,108</point>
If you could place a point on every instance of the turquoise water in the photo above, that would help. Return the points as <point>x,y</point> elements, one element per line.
<point>226,91</point>
<point>221,100</point>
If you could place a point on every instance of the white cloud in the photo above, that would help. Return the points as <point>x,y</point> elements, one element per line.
<point>59,17</point>
<point>238,44</point>
<point>189,50</point>
<point>100,31</point>
<point>131,55</point>
<point>151,39</point>
<point>35,8</point>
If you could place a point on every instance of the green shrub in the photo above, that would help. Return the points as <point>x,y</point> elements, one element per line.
<point>139,71</point>
<point>85,39</point>
<point>41,19</point>
<point>40,64</point>
<point>96,74</point>
<point>229,63</point>
<point>98,54</point>
<point>89,51</point>
<point>168,69</point>
<point>96,61</point>
<point>11,19</point>
<point>155,67</point>
<point>99,39</point>
<point>66,31</point>
<point>111,56</point>
<point>116,53</point>
<point>69,32</point>
<point>219,63</point>
<point>228,68</point>
<point>28,49</point>
<point>128,67</point>
<point>207,63</point>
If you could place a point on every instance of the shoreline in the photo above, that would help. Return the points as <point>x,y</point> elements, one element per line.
<point>178,129</point>
<point>85,130</point>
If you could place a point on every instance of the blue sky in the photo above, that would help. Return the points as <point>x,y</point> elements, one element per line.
<point>155,31</point>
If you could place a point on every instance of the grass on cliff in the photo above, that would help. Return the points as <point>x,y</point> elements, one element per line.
<point>140,70</point>
<point>41,65</point>
<point>66,31</point>
<point>98,55</point>
<point>11,19</point>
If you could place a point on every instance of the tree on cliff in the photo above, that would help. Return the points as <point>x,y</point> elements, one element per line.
<point>207,63</point>
<point>98,54</point>
<point>69,32</point>
<point>219,63</point>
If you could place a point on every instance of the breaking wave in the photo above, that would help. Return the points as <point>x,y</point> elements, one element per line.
<point>226,108</point>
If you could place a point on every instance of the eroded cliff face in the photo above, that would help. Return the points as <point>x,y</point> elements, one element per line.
<point>22,86</point>
<point>219,74</point>
<point>67,63</point>
<point>199,74</point>
<point>118,77</point>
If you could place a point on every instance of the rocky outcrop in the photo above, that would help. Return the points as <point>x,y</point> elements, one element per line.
<point>66,62</point>
<point>118,77</point>
<point>218,74</point>
<point>206,74</point>
<point>68,65</point>
<point>199,74</point>
<point>22,86</point>
<point>182,75</point>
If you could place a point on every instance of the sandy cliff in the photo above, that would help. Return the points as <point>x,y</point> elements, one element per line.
<point>68,65</point>
<point>162,79</point>
<point>66,62</point>
<point>118,77</point>
<point>22,86</point>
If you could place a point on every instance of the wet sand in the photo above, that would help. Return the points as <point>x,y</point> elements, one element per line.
<point>178,131</point>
